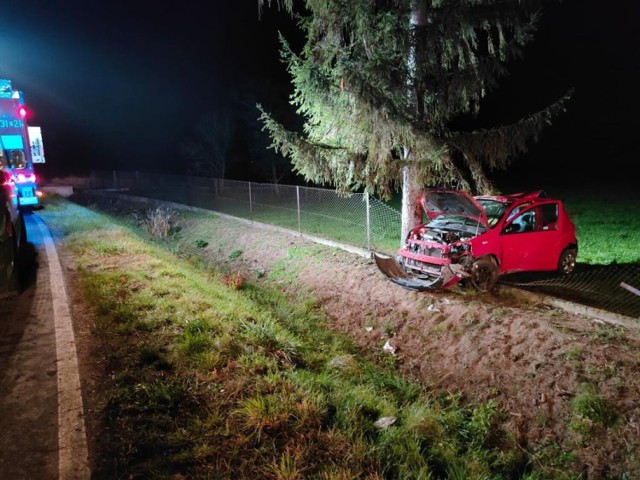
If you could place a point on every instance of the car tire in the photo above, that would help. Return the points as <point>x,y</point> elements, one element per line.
<point>567,262</point>
<point>484,274</point>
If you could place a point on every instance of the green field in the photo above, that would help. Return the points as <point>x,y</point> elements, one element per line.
<point>607,226</point>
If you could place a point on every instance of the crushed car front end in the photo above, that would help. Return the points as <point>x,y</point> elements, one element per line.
<point>437,254</point>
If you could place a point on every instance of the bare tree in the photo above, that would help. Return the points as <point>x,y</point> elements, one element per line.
<point>207,150</point>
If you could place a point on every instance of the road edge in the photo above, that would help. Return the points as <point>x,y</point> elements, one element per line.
<point>73,452</point>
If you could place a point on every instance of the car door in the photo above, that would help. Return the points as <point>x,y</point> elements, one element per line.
<point>530,239</point>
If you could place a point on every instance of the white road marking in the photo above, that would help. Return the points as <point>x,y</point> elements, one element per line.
<point>73,453</point>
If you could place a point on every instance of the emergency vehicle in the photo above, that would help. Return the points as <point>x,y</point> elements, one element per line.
<point>17,147</point>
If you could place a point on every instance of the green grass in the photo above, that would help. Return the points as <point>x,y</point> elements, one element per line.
<point>607,226</point>
<point>206,381</point>
<point>342,220</point>
<point>589,410</point>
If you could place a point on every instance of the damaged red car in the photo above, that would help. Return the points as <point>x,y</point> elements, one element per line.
<point>480,238</point>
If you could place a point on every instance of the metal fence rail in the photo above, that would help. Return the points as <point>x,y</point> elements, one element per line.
<point>362,221</point>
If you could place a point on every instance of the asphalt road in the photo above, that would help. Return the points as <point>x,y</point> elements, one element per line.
<point>42,432</point>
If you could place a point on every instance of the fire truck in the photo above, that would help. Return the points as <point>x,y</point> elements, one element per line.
<point>20,145</point>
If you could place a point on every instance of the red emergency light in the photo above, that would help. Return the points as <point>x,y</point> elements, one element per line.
<point>8,179</point>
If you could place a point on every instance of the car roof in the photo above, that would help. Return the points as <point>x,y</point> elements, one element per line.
<point>514,197</point>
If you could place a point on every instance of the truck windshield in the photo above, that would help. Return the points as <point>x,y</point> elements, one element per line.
<point>17,159</point>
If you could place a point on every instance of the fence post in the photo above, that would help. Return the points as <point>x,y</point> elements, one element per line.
<point>250,201</point>
<point>366,196</point>
<point>298,202</point>
<point>115,181</point>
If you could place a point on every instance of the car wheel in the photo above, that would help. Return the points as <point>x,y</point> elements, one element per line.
<point>484,274</point>
<point>567,262</point>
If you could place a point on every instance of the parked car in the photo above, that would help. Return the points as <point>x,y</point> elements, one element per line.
<point>12,229</point>
<point>479,238</point>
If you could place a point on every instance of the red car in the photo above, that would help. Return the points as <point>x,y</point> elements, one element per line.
<point>480,238</point>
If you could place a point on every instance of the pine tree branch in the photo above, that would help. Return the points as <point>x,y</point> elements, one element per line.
<point>495,147</point>
<point>286,4</point>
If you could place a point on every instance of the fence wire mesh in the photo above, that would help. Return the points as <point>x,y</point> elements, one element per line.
<point>614,288</point>
<point>362,221</point>
<point>356,219</point>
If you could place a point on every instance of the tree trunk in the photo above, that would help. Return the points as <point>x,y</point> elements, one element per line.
<point>275,179</point>
<point>411,212</point>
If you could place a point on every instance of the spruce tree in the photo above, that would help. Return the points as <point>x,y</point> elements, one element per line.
<point>385,85</point>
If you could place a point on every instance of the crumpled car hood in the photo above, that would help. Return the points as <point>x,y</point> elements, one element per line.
<point>452,202</point>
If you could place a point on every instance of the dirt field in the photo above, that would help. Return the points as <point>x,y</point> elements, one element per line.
<point>534,361</point>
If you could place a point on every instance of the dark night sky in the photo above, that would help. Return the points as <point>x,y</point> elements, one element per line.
<point>117,84</point>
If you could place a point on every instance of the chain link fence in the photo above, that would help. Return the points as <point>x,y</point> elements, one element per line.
<point>612,288</point>
<point>356,219</point>
<point>362,221</point>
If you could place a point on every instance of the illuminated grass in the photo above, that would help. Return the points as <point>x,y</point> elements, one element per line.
<point>206,381</point>
<point>607,227</point>
<point>347,225</point>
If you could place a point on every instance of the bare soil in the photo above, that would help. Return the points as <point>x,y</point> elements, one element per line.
<point>529,358</point>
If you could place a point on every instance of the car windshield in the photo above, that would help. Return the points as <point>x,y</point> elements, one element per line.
<point>493,208</point>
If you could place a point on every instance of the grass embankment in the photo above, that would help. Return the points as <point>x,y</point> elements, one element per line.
<point>209,378</point>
